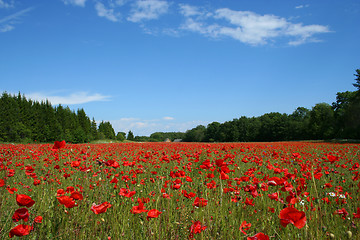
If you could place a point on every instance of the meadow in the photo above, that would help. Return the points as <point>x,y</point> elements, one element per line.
<point>284,190</point>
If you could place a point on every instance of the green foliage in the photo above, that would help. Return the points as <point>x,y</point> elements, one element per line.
<point>121,136</point>
<point>196,134</point>
<point>357,79</point>
<point>107,129</point>
<point>130,136</point>
<point>322,121</point>
<point>162,136</point>
<point>23,120</point>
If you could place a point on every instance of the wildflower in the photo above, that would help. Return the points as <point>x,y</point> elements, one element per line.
<point>259,236</point>
<point>342,212</point>
<point>200,202</point>
<point>21,213</point>
<point>2,182</point>
<point>24,200</point>
<point>58,144</point>
<point>153,213</point>
<point>293,216</point>
<point>97,209</point>
<point>77,196</point>
<point>244,227</point>
<point>357,214</point>
<point>196,228</point>
<point>126,192</point>
<point>38,219</point>
<point>20,230</point>
<point>67,201</point>
<point>138,209</point>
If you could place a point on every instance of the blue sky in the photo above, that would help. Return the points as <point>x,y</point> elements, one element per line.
<point>158,65</point>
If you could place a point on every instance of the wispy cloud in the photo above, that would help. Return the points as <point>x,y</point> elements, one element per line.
<point>148,10</point>
<point>302,6</point>
<point>248,27</point>
<point>168,118</point>
<point>107,13</point>
<point>244,26</point>
<point>7,23</point>
<point>80,3</point>
<point>145,127</point>
<point>117,3</point>
<point>6,4</point>
<point>188,10</point>
<point>6,28</point>
<point>74,98</point>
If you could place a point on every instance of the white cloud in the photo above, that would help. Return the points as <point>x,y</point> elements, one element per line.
<point>148,10</point>
<point>145,127</point>
<point>117,3</point>
<point>302,6</point>
<point>6,28</point>
<point>304,33</point>
<point>80,3</point>
<point>7,23</point>
<point>109,14</point>
<point>249,27</point>
<point>168,118</point>
<point>6,4</point>
<point>74,98</point>
<point>188,10</point>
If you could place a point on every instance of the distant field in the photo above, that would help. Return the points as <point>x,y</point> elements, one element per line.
<point>285,190</point>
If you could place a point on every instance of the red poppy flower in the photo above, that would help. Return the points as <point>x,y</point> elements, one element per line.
<point>24,200</point>
<point>97,209</point>
<point>60,192</point>
<point>200,202</point>
<point>2,182</point>
<point>259,236</point>
<point>188,179</point>
<point>138,209</point>
<point>77,196</point>
<point>67,201</point>
<point>274,196</point>
<point>70,189</point>
<point>58,144</point>
<point>244,227</point>
<point>75,164</point>
<point>249,202</point>
<point>38,219</point>
<point>153,213</point>
<point>36,182</point>
<point>11,190</point>
<point>21,213</point>
<point>293,216</point>
<point>126,192</point>
<point>342,212</point>
<point>196,228</point>
<point>20,230</point>
<point>223,176</point>
<point>188,195</point>
<point>357,214</point>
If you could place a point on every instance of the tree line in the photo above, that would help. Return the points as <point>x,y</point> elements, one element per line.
<point>25,120</point>
<point>340,120</point>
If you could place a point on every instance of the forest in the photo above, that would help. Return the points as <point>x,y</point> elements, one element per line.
<point>25,120</point>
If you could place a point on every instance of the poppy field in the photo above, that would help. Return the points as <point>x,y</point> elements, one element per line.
<point>287,190</point>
